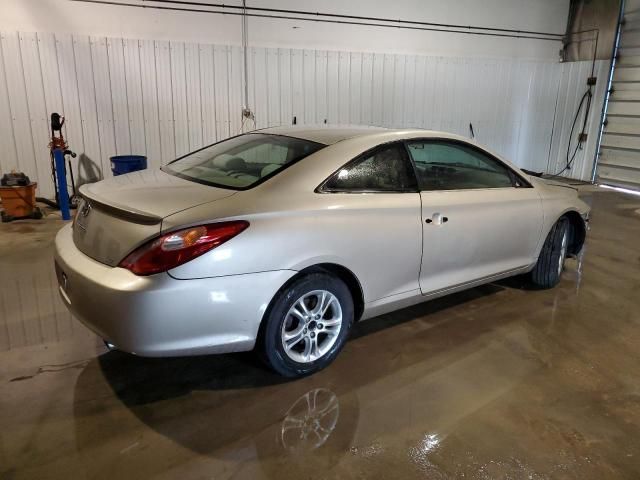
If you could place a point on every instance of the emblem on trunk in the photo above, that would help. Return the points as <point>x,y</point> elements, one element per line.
<point>81,216</point>
<point>86,208</point>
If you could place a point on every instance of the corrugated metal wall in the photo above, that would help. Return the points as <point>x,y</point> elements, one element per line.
<point>573,84</point>
<point>163,99</point>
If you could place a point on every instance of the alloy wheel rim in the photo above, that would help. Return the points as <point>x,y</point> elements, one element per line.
<point>563,252</point>
<point>312,326</point>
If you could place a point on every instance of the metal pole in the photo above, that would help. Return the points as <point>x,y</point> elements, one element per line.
<point>245,41</point>
<point>61,177</point>
<point>607,94</point>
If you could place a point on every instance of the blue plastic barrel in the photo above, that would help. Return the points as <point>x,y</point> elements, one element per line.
<point>121,164</point>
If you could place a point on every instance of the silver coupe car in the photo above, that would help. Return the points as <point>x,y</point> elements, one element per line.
<point>282,238</point>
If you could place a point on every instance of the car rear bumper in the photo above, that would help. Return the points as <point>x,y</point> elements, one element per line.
<point>159,315</point>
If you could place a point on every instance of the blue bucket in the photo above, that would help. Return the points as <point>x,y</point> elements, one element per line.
<point>122,164</point>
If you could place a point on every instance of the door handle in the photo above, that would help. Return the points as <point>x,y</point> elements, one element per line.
<point>437,219</point>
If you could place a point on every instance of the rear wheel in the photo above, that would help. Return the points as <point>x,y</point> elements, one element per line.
<point>547,271</point>
<point>307,325</point>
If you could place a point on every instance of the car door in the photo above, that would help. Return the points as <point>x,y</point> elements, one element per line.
<point>373,214</point>
<point>479,217</point>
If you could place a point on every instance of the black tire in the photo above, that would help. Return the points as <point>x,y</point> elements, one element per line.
<point>272,350</point>
<point>545,273</point>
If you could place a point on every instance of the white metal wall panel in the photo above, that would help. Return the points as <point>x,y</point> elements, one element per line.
<point>9,160</point>
<point>221,82</point>
<point>207,82</point>
<point>120,103</point>
<point>284,83</point>
<point>92,152</point>
<point>18,105</point>
<point>366,89</point>
<point>273,86</point>
<point>135,108</point>
<point>297,82</point>
<point>260,87</point>
<point>309,86</point>
<point>36,104</point>
<point>164,99</point>
<point>236,90</point>
<point>321,87</point>
<point>332,87</point>
<point>194,95</point>
<point>150,103</point>
<point>572,85</point>
<point>92,168</point>
<point>344,72</point>
<point>355,88</point>
<point>179,93</point>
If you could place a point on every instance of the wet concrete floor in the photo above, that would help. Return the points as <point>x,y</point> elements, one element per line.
<point>496,382</point>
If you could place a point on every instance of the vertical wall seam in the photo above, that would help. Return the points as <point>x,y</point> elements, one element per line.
<point>26,98</point>
<point>113,112</point>
<point>204,142</point>
<point>144,115</point>
<point>173,113</point>
<point>155,73</point>
<point>186,96</point>
<point>75,75</point>
<point>8,97</point>
<point>95,101</point>
<point>229,59</point>
<point>215,99</point>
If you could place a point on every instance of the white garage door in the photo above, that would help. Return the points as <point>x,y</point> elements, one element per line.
<point>619,162</point>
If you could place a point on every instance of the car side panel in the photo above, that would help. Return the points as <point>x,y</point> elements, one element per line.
<point>378,236</point>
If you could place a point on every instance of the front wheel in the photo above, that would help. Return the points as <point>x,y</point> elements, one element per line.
<point>546,273</point>
<point>307,325</point>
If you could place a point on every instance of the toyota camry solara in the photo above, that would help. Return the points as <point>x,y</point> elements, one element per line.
<point>282,238</point>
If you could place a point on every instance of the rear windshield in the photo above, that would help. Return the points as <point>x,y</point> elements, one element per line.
<point>242,162</point>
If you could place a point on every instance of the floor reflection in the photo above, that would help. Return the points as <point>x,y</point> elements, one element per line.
<point>403,369</point>
<point>310,421</point>
<point>31,312</point>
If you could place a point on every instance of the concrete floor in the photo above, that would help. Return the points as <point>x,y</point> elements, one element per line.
<point>495,382</point>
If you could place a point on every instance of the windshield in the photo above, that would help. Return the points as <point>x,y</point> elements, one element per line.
<point>243,161</point>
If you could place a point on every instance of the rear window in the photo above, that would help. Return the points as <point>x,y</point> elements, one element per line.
<point>242,162</point>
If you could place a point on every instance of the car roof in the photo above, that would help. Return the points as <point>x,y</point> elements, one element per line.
<point>324,134</point>
<point>330,135</point>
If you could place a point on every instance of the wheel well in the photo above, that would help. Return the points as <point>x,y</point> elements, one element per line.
<point>347,276</point>
<point>343,273</point>
<point>577,233</point>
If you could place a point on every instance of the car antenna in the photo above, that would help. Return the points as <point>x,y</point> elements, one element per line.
<point>472,134</point>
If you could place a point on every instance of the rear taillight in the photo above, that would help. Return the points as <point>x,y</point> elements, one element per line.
<point>175,248</point>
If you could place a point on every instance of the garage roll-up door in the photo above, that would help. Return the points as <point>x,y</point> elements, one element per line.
<point>619,162</point>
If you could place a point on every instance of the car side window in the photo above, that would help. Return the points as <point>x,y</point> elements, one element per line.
<point>385,169</point>
<point>442,165</point>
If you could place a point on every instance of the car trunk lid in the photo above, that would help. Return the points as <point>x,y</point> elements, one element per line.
<point>119,214</point>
